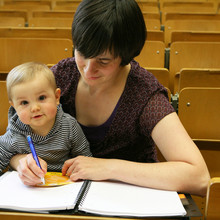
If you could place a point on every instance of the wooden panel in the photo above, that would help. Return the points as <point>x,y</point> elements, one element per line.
<point>50,22</point>
<point>36,216</point>
<point>213,199</point>
<point>152,24</point>
<point>213,36</point>
<point>199,112</point>
<point>151,15</point>
<point>192,55</point>
<point>192,16</point>
<point>149,7</point>
<point>187,7</point>
<point>36,32</point>
<point>199,78</point>
<point>189,25</point>
<point>12,22</point>
<point>152,55</point>
<point>4,107</point>
<point>16,51</point>
<point>153,35</point>
<point>24,5</point>
<point>14,13</point>
<point>66,5</point>
<point>53,14</point>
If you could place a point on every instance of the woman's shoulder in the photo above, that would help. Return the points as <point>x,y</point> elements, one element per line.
<point>65,68</point>
<point>66,74</point>
<point>142,79</point>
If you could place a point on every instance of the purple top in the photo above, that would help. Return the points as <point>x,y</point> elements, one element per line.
<point>97,133</point>
<point>143,103</point>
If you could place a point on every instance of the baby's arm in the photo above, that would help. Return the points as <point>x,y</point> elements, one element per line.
<point>27,168</point>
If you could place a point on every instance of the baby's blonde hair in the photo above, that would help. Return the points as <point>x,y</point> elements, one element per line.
<point>26,72</point>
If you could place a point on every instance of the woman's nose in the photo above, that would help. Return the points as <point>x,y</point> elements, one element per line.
<point>90,66</point>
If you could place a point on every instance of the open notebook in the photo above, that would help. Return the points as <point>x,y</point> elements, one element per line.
<point>99,198</point>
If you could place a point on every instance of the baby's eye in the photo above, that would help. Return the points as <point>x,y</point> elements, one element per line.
<point>24,102</point>
<point>42,97</point>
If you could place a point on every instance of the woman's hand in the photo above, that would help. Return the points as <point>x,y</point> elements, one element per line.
<point>29,172</point>
<point>82,167</point>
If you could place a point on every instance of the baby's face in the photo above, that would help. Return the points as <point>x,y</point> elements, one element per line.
<point>36,103</point>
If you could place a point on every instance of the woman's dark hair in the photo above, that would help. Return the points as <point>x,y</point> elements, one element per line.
<point>114,25</point>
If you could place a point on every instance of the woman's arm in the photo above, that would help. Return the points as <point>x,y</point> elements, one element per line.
<point>184,171</point>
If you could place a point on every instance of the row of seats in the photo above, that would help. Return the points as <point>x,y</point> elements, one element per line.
<point>146,6</point>
<point>185,62</point>
<point>174,21</point>
<point>51,49</point>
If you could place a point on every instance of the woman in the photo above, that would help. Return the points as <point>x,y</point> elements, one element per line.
<point>123,110</point>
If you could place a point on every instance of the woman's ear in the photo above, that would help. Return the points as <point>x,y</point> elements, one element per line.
<point>57,95</point>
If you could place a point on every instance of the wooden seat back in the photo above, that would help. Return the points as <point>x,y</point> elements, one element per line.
<point>192,55</point>
<point>152,54</point>
<point>12,22</point>
<point>203,36</point>
<point>50,22</point>
<point>199,112</point>
<point>15,51</point>
<point>4,107</point>
<point>35,32</point>
<point>187,7</point>
<point>197,77</point>
<point>189,25</point>
<point>213,199</point>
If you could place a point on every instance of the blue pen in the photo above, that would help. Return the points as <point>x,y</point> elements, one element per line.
<point>33,151</point>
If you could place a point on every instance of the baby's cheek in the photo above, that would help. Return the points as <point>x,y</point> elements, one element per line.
<point>52,111</point>
<point>24,117</point>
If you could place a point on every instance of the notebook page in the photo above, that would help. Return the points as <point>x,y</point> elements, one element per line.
<point>120,199</point>
<point>15,195</point>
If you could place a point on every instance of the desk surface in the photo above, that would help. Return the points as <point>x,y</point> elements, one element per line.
<point>190,206</point>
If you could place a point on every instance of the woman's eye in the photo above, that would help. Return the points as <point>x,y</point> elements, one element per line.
<point>24,102</point>
<point>42,97</point>
<point>104,62</point>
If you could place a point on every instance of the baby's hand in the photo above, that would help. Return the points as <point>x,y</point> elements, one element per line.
<point>29,172</point>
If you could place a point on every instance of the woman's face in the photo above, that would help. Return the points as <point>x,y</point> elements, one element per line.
<point>101,69</point>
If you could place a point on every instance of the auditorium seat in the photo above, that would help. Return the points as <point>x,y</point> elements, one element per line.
<point>27,5</point>
<point>68,5</point>
<point>155,35</point>
<point>149,6</point>
<point>186,7</point>
<point>213,199</point>
<point>198,111</point>
<point>199,77</point>
<point>12,22</point>
<point>15,51</point>
<point>189,25</point>
<point>152,54</point>
<point>50,22</point>
<point>191,55</point>
<point>35,32</point>
<point>203,36</point>
<point>4,107</point>
<point>14,13</point>
<point>152,24</point>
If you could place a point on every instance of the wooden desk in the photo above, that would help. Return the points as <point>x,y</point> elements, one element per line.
<point>191,208</point>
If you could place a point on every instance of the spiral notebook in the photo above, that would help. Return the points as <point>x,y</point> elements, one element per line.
<point>108,198</point>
